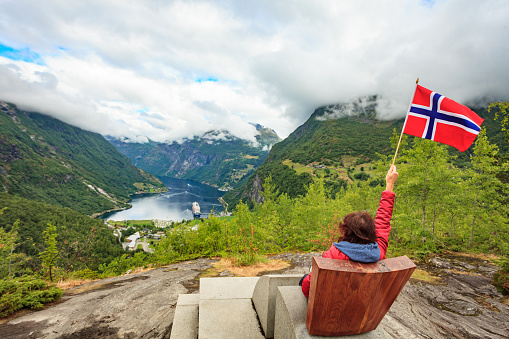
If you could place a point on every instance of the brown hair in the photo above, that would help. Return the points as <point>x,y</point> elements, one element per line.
<point>358,228</point>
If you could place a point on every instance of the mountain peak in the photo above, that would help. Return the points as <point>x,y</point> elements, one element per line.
<point>363,107</point>
<point>267,136</point>
<point>215,135</point>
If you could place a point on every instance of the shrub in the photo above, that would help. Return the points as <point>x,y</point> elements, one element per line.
<point>362,176</point>
<point>26,292</point>
<point>501,278</point>
<point>124,263</point>
<point>328,234</point>
<point>85,274</point>
<point>247,259</point>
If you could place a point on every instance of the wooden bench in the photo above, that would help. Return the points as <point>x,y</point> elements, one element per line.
<point>348,297</point>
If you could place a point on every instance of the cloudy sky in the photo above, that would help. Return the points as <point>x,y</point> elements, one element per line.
<point>173,69</point>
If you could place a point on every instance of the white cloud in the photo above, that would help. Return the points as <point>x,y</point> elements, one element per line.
<point>131,68</point>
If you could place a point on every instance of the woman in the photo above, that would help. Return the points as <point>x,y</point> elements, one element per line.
<point>363,239</point>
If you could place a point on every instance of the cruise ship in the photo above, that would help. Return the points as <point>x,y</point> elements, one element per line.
<point>196,210</point>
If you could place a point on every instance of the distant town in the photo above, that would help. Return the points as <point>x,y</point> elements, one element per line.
<point>143,234</point>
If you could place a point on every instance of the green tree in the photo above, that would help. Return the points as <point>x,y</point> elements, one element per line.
<point>487,192</point>
<point>8,242</point>
<point>501,111</point>
<point>267,223</point>
<point>50,253</point>
<point>426,179</point>
<point>10,259</point>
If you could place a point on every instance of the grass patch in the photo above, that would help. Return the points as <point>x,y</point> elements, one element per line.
<point>210,273</point>
<point>198,221</point>
<point>227,264</point>
<point>88,288</point>
<point>299,168</point>
<point>339,173</point>
<point>425,277</point>
<point>368,167</point>
<point>140,222</point>
<point>65,284</point>
<point>343,174</point>
<point>147,188</point>
<point>482,256</point>
<point>134,223</point>
<point>349,160</point>
<point>228,219</point>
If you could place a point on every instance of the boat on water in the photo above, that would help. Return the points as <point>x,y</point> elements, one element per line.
<point>196,210</point>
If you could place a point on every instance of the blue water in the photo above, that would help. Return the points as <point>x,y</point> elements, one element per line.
<point>173,205</point>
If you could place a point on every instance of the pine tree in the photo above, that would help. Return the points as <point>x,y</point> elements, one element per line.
<point>50,253</point>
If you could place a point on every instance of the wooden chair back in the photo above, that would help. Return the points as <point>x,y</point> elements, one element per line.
<point>348,297</point>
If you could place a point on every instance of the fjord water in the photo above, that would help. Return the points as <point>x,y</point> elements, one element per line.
<point>172,205</point>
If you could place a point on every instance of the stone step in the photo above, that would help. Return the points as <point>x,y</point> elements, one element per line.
<point>226,309</point>
<point>227,288</point>
<point>264,298</point>
<point>185,321</point>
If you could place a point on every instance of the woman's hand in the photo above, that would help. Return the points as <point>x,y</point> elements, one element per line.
<point>391,177</point>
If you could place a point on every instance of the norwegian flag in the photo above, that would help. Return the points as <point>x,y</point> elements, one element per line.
<point>435,117</point>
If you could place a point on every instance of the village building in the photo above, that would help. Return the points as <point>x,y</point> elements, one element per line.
<point>132,241</point>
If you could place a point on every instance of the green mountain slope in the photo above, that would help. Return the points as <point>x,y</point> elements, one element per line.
<point>217,158</point>
<point>47,160</point>
<point>335,142</point>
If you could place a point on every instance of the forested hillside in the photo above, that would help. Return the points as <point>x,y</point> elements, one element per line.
<point>81,242</point>
<point>338,143</point>
<point>46,160</point>
<point>217,158</point>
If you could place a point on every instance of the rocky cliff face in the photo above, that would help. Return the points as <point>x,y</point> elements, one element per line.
<point>255,194</point>
<point>183,158</point>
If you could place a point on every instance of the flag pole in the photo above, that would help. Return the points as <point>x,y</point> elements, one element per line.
<point>404,124</point>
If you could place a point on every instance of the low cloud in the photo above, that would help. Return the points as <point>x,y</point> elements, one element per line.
<point>172,70</point>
